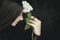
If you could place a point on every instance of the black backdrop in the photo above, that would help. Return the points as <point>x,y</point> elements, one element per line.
<point>45,10</point>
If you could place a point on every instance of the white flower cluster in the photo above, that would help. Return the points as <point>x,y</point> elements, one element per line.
<point>27,7</point>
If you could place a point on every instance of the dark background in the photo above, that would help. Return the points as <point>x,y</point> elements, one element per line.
<point>45,10</point>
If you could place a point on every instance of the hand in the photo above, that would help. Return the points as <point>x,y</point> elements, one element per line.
<point>19,18</point>
<point>36,24</point>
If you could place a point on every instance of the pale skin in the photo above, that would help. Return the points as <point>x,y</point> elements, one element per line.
<point>36,24</point>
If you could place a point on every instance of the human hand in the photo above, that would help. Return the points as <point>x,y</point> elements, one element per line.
<point>36,24</point>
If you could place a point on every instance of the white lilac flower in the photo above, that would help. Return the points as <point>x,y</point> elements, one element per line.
<point>27,7</point>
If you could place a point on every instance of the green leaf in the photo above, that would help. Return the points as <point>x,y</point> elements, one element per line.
<point>29,15</point>
<point>27,27</point>
<point>27,21</point>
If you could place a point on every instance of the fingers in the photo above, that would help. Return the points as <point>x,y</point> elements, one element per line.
<point>35,19</point>
<point>36,25</point>
<point>31,24</point>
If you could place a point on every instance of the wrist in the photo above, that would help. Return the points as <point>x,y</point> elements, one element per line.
<point>37,31</point>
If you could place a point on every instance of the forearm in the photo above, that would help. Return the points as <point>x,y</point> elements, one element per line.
<point>9,11</point>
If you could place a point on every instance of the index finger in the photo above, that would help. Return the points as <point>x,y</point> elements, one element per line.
<point>34,18</point>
